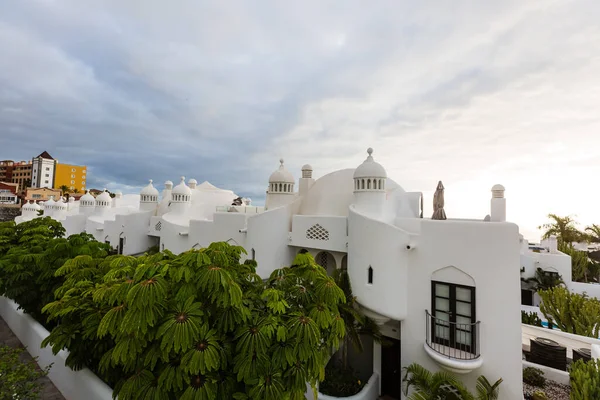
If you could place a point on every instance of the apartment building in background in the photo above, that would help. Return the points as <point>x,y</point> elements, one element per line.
<point>44,167</point>
<point>18,172</point>
<point>71,176</point>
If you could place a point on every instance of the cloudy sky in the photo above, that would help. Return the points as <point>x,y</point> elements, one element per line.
<point>472,93</point>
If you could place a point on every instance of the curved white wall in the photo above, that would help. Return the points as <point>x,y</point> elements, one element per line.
<point>383,247</point>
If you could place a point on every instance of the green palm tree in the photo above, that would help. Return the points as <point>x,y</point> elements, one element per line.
<point>593,232</point>
<point>564,228</point>
<point>75,190</point>
<point>357,324</point>
<point>444,385</point>
<point>64,189</point>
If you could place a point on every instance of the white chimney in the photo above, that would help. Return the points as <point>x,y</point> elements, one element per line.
<point>498,204</point>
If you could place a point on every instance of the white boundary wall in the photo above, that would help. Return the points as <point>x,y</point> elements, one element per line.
<point>72,384</point>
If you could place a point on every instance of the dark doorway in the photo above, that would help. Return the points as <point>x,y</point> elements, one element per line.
<point>390,369</point>
<point>121,244</point>
<point>526,297</point>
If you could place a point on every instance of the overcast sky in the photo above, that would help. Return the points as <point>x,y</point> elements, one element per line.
<point>472,93</point>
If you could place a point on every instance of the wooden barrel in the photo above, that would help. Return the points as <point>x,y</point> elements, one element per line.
<point>582,354</point>
<point>549,353</point>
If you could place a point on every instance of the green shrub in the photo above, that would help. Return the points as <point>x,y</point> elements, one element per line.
<point>530,318</point>
<point>585,380</point>
<point>539,395</point>
<point>19,380</point>
<point>340,382</point>
<point>534,377</point>
<point>571,312</point>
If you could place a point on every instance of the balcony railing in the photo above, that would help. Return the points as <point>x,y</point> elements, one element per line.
<point>451,339</point>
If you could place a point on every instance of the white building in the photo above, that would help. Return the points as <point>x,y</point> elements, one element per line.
<point>44,167</point>
<point>445,292</point>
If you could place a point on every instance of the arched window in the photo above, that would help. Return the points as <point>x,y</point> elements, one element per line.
<point>368,184</point>
<point>370,275</point>
<point>253,252</point>
<point>379,184</point>
<point>362,183</point>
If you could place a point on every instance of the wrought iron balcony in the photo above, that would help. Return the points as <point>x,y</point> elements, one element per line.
<point>452,340</point>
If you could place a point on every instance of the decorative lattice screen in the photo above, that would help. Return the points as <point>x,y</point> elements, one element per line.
<point>317,232</point>
<point>158,226</point>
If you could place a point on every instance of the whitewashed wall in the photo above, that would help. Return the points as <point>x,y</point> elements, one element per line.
<point>489,253</point>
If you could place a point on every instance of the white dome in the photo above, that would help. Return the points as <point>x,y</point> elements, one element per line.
<point>104,199</point>
<point>281,175</point>
<point>87,200</point>
<point>149,190</point>
<point>182,188</point>
<point>369,168</point>
<point>36,206</point>
<point>497,188</point>
<point>333,194</point>
<point>61,204</point>
<point>307,167</point>
<point>50,202</point>
<point>168,185</point>
<point>192,183</point>
<point>28,206</point>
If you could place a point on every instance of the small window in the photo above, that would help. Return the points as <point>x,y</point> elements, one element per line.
<point>45,181</point>
<point>47,168</point>
<point>370,275</point>
<point>72,176</point>
<point>72,169</point>
<point>47,175</point>
<point>253,254</point>
<point>72,182</point>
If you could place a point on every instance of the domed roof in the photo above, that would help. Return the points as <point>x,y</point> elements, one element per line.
<point>104,196</point>
<point>36,206</point>
<point>333,194</point>
<point>370,168</point>
<point>192,183</point>
<point>281,175</point>
<point>28,206</point>
<point>497,187</point>
<point>149,190</point>
<point>182,188</point>
<point>307,167</point>
<point>61,204</point>
<point>87,198</point>
<point>168,185</point>
<point>50,202</point>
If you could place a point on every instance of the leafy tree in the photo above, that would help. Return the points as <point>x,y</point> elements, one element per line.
<point>564,228</point>
<point>199,325</point>
<point>75,190</point>
<point>571,312</point>
<point>444,385</point>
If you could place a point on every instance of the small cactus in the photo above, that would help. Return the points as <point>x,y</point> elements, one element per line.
<point>585,380</point>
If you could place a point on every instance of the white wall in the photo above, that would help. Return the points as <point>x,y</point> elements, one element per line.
<point>268,234</point>
<point>381,246</point>
<point>489,253</point>
<point>335,226</point>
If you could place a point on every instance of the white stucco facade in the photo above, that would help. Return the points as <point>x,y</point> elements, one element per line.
<point>427,282</point>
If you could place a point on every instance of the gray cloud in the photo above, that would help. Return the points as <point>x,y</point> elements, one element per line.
<point>220,90</point>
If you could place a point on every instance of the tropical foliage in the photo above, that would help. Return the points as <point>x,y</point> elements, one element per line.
<point>571,312</point>
<point>199,325</point>
<point>19,380</point>
<point>340,381</point>
<point>544,280</point>
<point>564,228</point>
<point>585,380</point>
<point>530,318</point>
<point>444,385</point>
